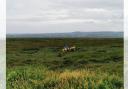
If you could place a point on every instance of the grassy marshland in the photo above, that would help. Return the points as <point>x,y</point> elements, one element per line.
<point>40,64</point>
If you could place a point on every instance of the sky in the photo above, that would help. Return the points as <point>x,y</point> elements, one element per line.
<point>56,16</point>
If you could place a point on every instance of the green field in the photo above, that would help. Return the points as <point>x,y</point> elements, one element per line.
<point>34,63</point>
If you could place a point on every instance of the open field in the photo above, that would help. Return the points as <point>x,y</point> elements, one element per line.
<point>34,63</point>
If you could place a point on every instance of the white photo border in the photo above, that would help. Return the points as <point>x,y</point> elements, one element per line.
<point>125,44</point>
<point>2,44</point>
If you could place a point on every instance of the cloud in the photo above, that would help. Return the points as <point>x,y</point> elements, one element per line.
<point>66,13</point>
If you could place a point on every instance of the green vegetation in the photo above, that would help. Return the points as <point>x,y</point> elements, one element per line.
<point>40,64</point>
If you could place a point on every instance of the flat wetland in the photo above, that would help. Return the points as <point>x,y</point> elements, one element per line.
<point>39,63</point>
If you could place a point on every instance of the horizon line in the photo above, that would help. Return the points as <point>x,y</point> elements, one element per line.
<point>61,32</point>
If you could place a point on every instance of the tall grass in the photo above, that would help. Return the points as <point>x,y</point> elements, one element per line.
<point>41,78</point>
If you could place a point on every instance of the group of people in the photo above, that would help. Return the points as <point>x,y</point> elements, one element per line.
<point>68,49</point>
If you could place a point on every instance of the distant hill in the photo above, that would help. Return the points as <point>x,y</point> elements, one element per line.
<point>103,34</point>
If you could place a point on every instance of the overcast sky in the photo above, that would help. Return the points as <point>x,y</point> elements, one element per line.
<point>50,16</point>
